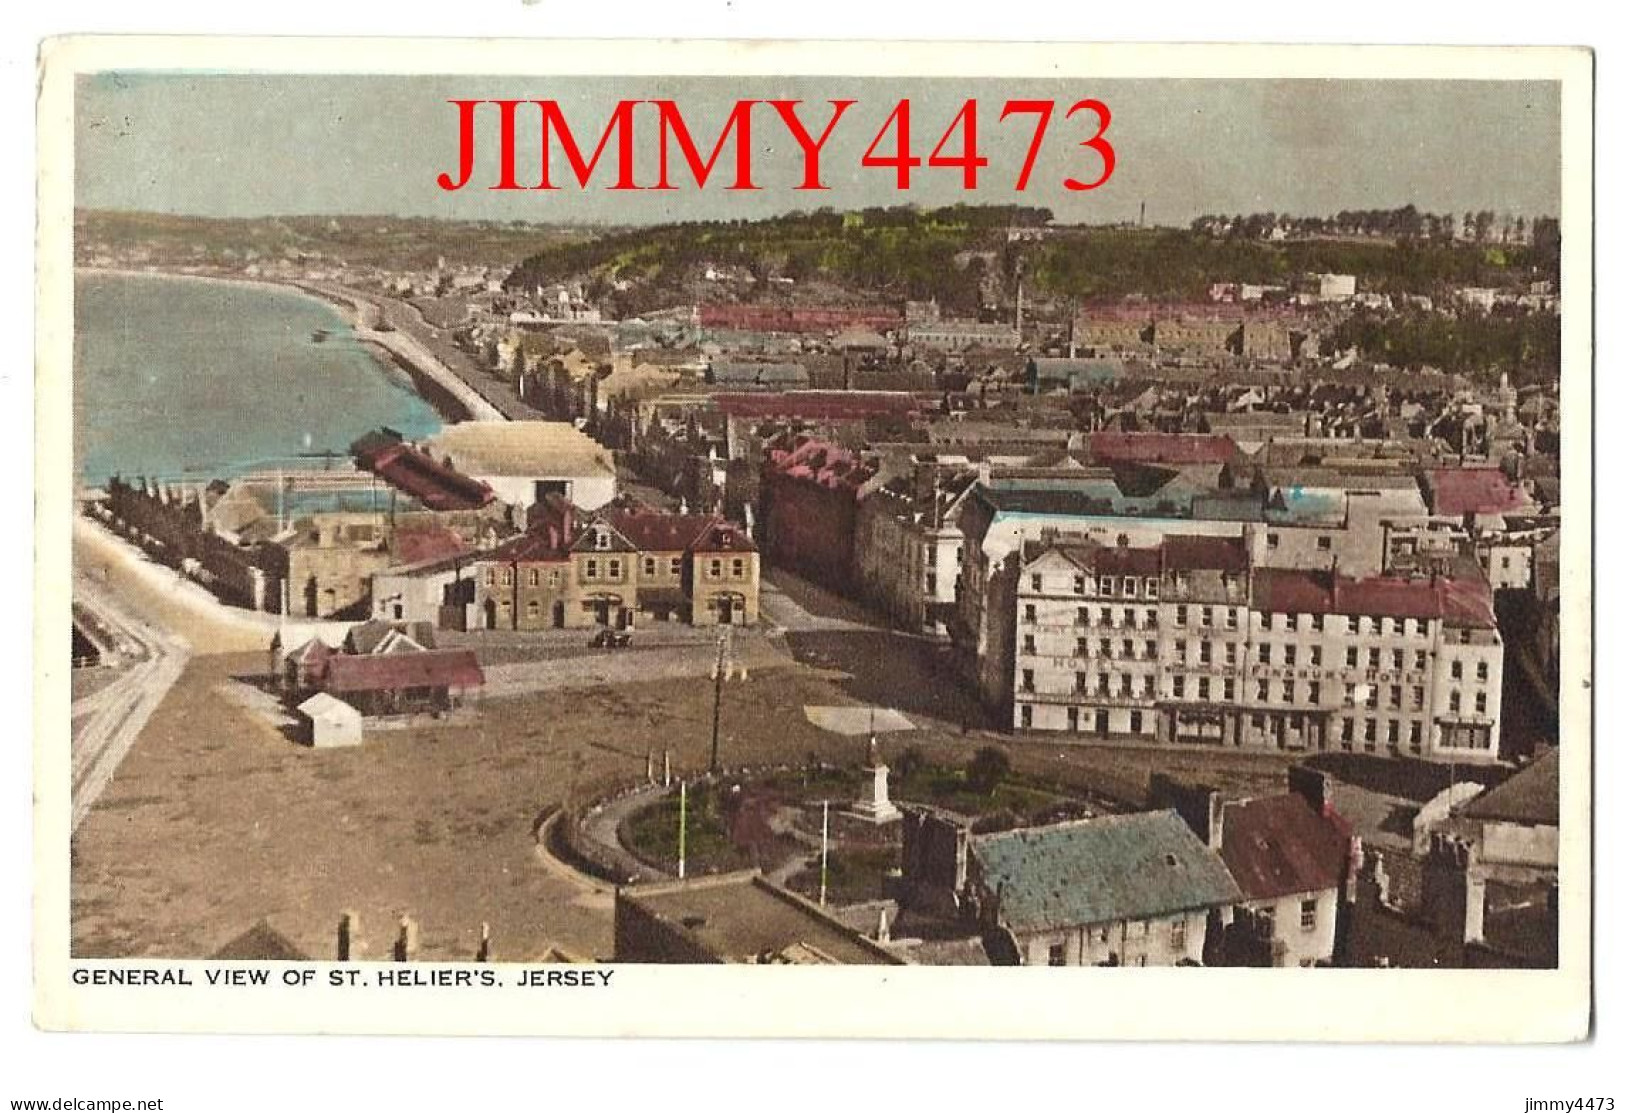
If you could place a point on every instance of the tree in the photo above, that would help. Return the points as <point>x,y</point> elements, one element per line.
<point>987,769</point>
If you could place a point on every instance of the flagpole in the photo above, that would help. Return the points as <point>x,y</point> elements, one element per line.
<point>823,859</point>
<point>682,829</point>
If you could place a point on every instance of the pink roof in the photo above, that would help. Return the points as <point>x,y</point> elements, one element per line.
<point>1459,491</point>
<point>819,405</point>
<point>413,546</point>
<point>1162,448</point>
<point>1458,601</point>
<point>445,668</point>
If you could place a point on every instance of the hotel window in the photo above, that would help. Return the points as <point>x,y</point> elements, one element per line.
<point>1483,672</point>
<point>1394,696</point>
<point>1398,656</point>
<point>1151,589</point>
<point>1417,695</point>
<point>1265,620</point>
<point>1136,722</point>
<point>1455,670</point>
<point>1130,587</point>
<point>1263,694</point>
<point>1481,703</point>
<point>1207,616</point>
<point>1416,737</point>
<point>1230,618</point>
<point>1324,544</point>
<point>1371,697</point>
<point>1204,652</point>
<point>1289,654</point>
<point>1314,691</point>
<point>535,577</point>
<point>649,566</point>
<point>1264,653</point>
<point>1179,651</point>
<point>1455,701</point>
<point>1272,541</point>
<point>1029,613</point>
<point>1292,623</point>
<point>1230,654</point>
<point>1072,718</point>
<point>1374,658</point>
<point>1421,661</point>
<point>1106,648</point>
<point>1393,732</point>
<point>1078,585</point>
<point>1128,649</point>
<point>1108,586</point>
<point>1083,648</point>
<point>1289,691</point>
<point>1314,655</point>
<point>1306,915</point>
<point>1026,715</point>
<point>1029,644</point>
<point>1148,686</point>
<point>1179,687</point>
<point>1181,613</point>
<point>1080,682</point>
<point>1203,691</point>
<point>1370,730</point>
<point>1083,616</point>
<point>1346,733</point>
<point>1150,620</point>
<point>1317,623</point>
<point>1229,689</point>
<point>1038,582</point>
<point>1026,680</point>
<point>1352,657</point>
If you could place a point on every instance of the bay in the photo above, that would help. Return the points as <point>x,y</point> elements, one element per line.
<point>182,379</point>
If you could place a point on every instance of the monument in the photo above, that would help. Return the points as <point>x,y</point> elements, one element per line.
<point>877,806</point>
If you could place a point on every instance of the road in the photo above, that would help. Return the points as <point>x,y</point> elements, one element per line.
<point>106,723</point>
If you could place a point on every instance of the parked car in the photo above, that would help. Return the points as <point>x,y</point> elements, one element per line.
<point>610,639</point>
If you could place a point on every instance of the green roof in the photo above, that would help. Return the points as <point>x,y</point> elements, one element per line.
<point>1097,871</point>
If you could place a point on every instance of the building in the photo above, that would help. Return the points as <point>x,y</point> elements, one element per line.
<point>1189,641</point>
<point>525,461</point>
<point>330,722</point>
<point>427,682</point>
<point>1293,857</point>
<point>808,509</point>
<point>956,335</point>
<point>1124,890</point>
<point>907,553</point>
<point>1495,863</point>
<point>735,918</point>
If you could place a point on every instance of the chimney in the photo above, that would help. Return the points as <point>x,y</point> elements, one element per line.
<point>1311,785</point>
<point>1215,820</point>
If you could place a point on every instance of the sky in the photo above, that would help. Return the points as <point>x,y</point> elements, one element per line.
<point>253,145</point>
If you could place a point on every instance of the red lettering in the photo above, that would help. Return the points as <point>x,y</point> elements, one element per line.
<point>505,178</point>
<point>1096,143</point>
<point>968,158</point>
<point>620,124</point>
<point>672,125</point>
<point>810,150</point>
<point>903,159</point>
<point>1043,109</point>
<point>465,146</point>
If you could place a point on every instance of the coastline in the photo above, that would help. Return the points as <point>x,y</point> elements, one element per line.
<point>436,383</point>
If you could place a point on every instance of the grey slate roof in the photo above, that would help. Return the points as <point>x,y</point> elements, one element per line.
<point>1528,797</point>
<point>1096,871</point>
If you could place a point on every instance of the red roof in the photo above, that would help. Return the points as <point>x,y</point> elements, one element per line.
<point>776,318</point>
<point>1459,491</point>
<point>1161,448</point>
<point>1457,600</point>
<point>1277,846</point>
<point>418,474</point>
<point>428,542</point>
<point>536,546</point>
<point>444,668</point>
<point>654,532</point>
<point>820,405</point>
